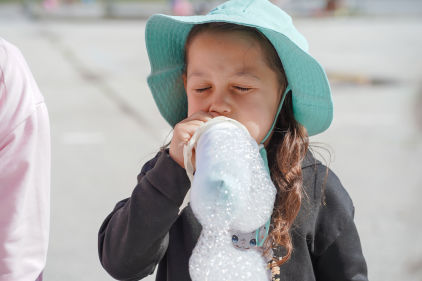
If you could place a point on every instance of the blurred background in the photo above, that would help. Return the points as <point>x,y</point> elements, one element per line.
<point>90,62</point>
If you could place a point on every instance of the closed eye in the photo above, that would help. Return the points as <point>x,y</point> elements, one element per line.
<point>202,89</point>
<point>242,89</point>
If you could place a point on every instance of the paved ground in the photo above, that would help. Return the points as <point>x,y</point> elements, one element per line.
<point>105,126</point>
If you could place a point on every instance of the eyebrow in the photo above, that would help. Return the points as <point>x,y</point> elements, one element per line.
<point>196,73</point>
<point>247,74</point>
<point>238,74</point>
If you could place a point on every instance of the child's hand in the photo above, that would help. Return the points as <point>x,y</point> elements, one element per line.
<point>182,133</point>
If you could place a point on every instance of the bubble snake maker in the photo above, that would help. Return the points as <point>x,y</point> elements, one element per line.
<point>231,191</point>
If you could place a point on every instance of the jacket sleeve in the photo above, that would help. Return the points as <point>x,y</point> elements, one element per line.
<point>24,170</point>
<point>338,252</point>
<point>134,237</point>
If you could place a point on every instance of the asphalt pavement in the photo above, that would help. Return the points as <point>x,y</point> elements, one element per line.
<point>105,125</point>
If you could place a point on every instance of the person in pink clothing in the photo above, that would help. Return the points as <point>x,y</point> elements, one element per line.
<point>24,170</point>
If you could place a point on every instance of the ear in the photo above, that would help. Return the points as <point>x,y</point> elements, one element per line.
<point>184,80</point>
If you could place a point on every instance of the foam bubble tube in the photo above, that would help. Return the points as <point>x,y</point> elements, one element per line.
<point>230,191</point>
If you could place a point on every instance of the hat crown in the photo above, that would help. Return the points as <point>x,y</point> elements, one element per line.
<point>264,14</point>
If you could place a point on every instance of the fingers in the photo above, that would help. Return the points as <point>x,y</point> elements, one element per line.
<point>200,116</point>
<point>185,129</point>
<point>183,132</point>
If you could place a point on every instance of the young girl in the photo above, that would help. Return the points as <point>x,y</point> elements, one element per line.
<point>244,60</point>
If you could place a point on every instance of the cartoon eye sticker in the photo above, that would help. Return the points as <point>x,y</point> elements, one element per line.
<point>252,242</point>
<point>235,239</point>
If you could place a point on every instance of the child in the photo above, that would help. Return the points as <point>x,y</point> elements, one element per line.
<point>244,60</point>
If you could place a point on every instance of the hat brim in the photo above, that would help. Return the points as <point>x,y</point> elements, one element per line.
<point>165,38</point>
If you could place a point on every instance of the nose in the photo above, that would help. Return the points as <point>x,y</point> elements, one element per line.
<point>220,104</point>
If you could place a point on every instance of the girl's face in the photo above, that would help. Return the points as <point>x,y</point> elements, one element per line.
<point>227,75</point>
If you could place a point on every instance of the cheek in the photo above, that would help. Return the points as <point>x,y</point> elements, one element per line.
<point>193,105</point>
<point>254,130</point>
<point>257,128</point>
<point>258,119</point>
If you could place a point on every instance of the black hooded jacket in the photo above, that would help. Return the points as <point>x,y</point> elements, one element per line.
<point>147,229</point>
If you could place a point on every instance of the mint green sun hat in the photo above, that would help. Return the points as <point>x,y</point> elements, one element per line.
<point>165,38</point>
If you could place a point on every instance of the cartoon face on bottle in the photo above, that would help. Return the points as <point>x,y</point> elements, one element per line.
<point>244,241</point>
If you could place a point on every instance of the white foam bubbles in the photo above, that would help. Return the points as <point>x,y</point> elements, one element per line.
<point>231,191</point>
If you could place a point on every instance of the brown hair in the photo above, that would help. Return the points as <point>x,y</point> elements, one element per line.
<point>286,149</point>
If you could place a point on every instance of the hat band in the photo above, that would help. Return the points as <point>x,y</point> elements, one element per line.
<point>278,112</point>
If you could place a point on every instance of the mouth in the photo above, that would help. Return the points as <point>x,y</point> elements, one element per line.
<point>241,247</point>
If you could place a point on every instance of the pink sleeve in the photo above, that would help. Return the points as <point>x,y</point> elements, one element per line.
<point>24,170</point>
